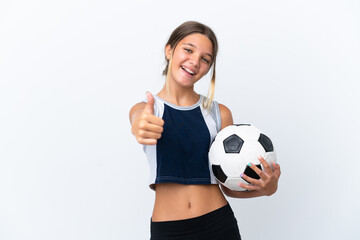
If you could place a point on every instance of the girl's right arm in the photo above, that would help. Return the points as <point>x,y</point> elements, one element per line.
<point>145,126</point>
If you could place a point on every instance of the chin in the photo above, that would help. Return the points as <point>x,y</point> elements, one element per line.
<point>187,84</point>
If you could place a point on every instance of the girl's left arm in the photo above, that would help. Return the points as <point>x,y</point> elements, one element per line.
<point>268,182</point>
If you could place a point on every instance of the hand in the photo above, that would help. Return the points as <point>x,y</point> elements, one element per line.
<point>268,182</point>
<point>147,127</point>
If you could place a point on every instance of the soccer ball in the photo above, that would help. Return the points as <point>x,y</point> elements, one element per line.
<point>233,148</point>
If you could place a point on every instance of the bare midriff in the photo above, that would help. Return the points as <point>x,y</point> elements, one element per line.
<point>177,202</point>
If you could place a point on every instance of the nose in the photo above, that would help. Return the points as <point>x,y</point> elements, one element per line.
<point>195,60</point>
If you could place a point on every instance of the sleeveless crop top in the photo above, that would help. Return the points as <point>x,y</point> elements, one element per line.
<point>181,154</point>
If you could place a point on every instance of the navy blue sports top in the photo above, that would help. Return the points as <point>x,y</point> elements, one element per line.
<point>181,154</point>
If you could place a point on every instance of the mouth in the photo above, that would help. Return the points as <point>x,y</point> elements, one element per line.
<point>188,70</point>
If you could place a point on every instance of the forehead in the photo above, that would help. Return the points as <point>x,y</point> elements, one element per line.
<point>198,40</point>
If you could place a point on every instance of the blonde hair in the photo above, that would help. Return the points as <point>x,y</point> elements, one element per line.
<point>207,104</point>
<point>176,36</point>
<point>167,82</point>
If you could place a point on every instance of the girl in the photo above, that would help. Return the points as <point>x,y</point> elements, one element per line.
<point>176,127</point>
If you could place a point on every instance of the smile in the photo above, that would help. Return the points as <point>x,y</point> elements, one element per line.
<point>188,70</point>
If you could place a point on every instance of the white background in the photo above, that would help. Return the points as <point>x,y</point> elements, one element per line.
<point>71,70</point>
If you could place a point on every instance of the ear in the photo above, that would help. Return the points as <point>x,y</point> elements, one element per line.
<point>168,51</point>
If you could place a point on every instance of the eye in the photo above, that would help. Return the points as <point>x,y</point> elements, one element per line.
<point>205,60</point>
<point>188,50</point>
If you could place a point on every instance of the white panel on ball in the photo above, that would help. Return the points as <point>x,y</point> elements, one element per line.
<point>251,150</point>
<point>233,165</point>
<point>217,156</point>
<point>233,184</point>
<point>270,157</point>
<point>248,133</point>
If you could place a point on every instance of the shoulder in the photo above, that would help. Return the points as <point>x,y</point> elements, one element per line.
<point>226,116</point>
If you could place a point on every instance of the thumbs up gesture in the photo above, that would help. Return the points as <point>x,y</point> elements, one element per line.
<point>146,127</point>
<point>149,107</point>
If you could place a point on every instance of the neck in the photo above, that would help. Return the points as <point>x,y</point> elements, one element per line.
<point>180,97</point>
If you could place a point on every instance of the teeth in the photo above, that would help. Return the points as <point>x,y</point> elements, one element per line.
<point>188,70</point>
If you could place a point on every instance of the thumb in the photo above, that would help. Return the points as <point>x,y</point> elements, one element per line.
<point>277,170</point>
<point>149,108</point>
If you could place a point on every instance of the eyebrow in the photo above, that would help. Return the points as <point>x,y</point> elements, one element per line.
<point>190,44</point>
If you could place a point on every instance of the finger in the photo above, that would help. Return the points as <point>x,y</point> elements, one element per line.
<point>146,141</point>
<point>149,107</point>
<point>147,134</point>
<point>247,186</point>
<point>265,164</point>
<point>152,128</point>
<point>249,179</point>
<point>258,171</point>
<point>154,120</point>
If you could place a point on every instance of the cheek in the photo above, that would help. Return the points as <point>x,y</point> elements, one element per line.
<point>205,69</point>
<point>180,56</point>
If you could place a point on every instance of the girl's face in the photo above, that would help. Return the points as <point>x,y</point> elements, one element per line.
<point>191,59</point>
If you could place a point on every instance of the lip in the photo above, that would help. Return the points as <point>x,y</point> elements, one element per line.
<point>189,74</point>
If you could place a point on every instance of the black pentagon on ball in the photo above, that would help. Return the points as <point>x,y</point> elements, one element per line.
<point>233,144</point>
<point>219,173</point>
<point>266,143</point>
<point>242,124</point>
<point>251,173</point>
